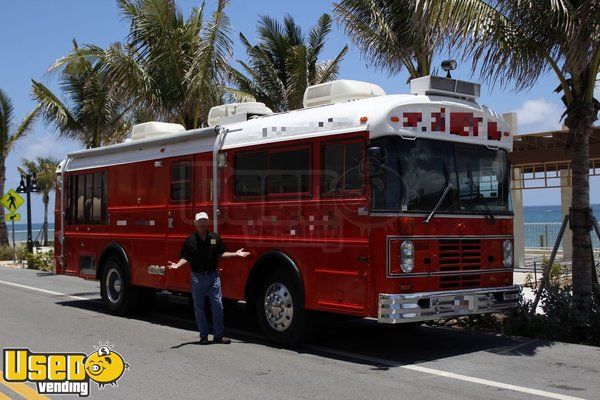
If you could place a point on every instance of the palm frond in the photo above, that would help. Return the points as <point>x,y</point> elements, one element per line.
<point>284,62</point>
<point>328,70</point>
<point>6,120</point>
<point>386,33</point>
<point>317,37</point>
<point>508,42</point>
<point>22,130</point>
<point>53,110</point>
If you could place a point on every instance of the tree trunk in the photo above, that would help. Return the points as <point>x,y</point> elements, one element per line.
<point>580,125</point>
<point>3,229</point>
<point>45,223</point>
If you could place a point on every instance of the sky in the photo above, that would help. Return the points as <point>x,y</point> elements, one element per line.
<point>37,32</point>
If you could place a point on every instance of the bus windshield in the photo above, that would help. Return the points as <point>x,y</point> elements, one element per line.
<point>416,172</point>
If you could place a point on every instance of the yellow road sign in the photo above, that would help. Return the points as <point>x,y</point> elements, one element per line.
<point>12,200</point>
<point>14,217</point>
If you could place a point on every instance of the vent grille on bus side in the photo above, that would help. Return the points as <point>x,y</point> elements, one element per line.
<point>459,255</point>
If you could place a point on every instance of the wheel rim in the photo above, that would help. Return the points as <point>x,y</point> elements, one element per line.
<point>114,286</point>
<point>279,306</point>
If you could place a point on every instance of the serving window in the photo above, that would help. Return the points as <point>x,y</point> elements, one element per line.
<point>87,198</point>
<point>272,173</point>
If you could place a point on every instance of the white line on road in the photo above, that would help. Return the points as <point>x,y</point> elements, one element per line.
<point>43,290</point>
<point>490,383</point>
<point>374,360</point>
<point>445,374</point>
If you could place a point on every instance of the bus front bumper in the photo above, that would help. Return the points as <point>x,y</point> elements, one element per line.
<point>411,307</point>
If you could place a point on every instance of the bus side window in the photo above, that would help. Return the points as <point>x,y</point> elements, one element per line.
<point>342,167</point>
<point>181,182</point>
<point>87,199</point>
<point>71,197</point>
<point>288,172</point>
<point>250,174</point>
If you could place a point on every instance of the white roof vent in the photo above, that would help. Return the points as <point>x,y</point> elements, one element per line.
<point>436,85</point>
<point>339,91</point>
<point>153,129</point>
<point>236,112</point>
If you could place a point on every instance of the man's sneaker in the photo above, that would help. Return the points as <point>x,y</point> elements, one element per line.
<point>203,340</point>
<point>222,340</point>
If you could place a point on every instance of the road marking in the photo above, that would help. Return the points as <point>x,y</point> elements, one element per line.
<point>517,346</point>
<point>22,389</point>
<point>374,360</point>
<point>445,374</point>
<point>487,382</point>
<point>43,290</point>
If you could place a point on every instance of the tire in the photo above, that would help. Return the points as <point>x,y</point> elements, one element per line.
<point>118,295</point>
<point>280,309</point>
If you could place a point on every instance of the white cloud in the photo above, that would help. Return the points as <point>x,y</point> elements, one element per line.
<point>34,145</point>
<point>44,144</point>
<point>538,115</point>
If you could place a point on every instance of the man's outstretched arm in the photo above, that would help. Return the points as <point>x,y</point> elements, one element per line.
<point>178,264</point>
<point>239,253</point>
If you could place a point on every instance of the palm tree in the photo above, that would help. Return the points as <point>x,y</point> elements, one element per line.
<point>520,40</point>
<point>284,62</point>
<point>93,114</point>
<point>9,134</point>
<point>44,169</point>
<point>171,65</point>
<point>386,33</point>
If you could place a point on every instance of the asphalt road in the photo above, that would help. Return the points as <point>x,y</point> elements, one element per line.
<point>344,359</point>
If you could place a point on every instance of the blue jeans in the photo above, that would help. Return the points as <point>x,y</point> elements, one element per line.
<point>203,285</point>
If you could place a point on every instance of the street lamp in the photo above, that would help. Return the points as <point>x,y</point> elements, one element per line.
<point>28,185</point>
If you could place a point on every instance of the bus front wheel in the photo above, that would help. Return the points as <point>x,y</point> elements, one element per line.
<point>280,309</point>
<point>115,289</point>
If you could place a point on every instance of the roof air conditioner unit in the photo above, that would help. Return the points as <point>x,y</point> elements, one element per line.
<point>435,85</point>
<point>152,129</point>
<point>339,91</point>
<point>236,112</point>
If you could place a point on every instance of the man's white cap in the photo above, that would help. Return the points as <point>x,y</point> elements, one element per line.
<point>201,215</point>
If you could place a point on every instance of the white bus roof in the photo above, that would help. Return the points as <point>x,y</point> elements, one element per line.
<point>405,115</point>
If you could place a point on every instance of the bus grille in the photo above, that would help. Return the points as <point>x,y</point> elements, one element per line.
<point>459,255</point>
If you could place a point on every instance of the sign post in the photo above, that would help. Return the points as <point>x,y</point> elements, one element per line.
<point>12,201</point>
<point>12,218</point>
<point>13,241</point>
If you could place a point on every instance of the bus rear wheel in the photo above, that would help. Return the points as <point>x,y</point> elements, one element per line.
<point>118,295</point>
<point>280,309</point>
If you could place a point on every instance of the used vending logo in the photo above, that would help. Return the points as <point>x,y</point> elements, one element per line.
<point>65,373</point>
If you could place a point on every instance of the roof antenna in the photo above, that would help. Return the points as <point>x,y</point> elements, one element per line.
<point>448,65</point>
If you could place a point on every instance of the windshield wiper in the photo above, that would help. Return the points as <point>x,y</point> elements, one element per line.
<point>439,203</point>
<point>488,212</point>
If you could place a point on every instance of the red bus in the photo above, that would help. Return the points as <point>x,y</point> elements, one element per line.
<point>395,207</point>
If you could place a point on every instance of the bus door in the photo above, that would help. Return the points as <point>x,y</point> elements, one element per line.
<point>180,218</point>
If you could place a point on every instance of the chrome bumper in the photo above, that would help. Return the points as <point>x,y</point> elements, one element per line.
<point>409,307</point>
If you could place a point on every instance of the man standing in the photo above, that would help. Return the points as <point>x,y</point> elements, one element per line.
<point>202,250</point>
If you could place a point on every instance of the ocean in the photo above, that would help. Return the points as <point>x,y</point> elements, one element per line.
<point>536,214</point>
<point>542,224</point>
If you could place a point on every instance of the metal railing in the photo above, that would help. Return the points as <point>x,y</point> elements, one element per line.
<point>543,234</point>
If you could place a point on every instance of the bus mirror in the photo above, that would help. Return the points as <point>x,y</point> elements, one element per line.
<point>375,161</point>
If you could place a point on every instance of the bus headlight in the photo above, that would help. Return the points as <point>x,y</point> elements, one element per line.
<point>407,256</point>
<point>507,250</point>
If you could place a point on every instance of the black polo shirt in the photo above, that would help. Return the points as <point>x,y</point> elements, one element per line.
<point>203,255</point>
